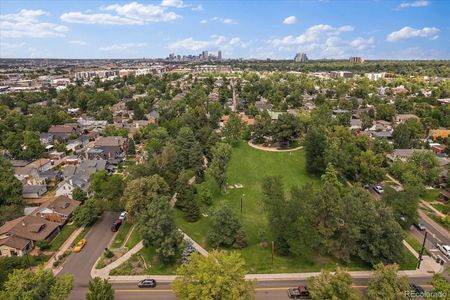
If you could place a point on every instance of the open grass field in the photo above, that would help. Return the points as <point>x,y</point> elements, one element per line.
<point>248,166</point>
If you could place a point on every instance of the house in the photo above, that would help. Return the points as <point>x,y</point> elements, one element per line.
<point>85,167</point>
<point>403,154</point>
<point>18,237</point>
<point>46,138</point>
<point>58,209</point>
<point>402,118</point>
<point>66,187</point>
<point>381,134</point>
<point>244,118</point>
<point>62,132</point>
<point>33,191</point>
<point>355,124</point>
<point>111,147</point>
<point>445,195</point>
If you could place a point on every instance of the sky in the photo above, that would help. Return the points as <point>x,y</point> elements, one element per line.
<point>373,29</point>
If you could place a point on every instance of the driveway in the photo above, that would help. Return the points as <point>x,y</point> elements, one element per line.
<point>80,264</point>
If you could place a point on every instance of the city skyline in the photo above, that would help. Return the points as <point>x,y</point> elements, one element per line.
<point>277,30</point>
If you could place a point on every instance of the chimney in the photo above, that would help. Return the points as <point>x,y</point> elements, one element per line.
<point>23,223</point>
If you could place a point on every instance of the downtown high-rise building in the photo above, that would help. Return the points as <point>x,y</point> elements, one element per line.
<point>219,55</point>
<point>205,55</point>
<point>300,57</point>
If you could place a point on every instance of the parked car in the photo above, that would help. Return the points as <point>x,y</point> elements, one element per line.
<point>116,225</point>
<point>366,186</point>
<point>417,289</point>
<point>444,249</point>
<point>147,283</point>
<point>379,189</point>
<point>298,292</point>
<point>79,245</point>
<point>420,226</point>
<point>123,215</point>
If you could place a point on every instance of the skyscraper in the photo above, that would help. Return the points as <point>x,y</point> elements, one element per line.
<point>356,59</point>
<point>301,57</point>
<point>205,55</point>
<point>219,55</point>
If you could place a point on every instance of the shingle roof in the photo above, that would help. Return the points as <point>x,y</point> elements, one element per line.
<point>14,242</point>
<point>60,204</point>
<point>29,227</point>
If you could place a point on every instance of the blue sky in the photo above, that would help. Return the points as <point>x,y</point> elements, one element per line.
<point>416,29</point>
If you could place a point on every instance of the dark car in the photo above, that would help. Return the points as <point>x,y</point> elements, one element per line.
<point>147,283</point>
<point>116,225</point>
<point>417,289</point>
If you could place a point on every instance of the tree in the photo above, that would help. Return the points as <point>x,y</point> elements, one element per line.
<point>218,166</point>
<point>404,204</point>
<point>10,187</point>
<point>286,129</point>
<point>441,286</point>
<point>233,130</point>
<point>86,213</point>
<point>385,285</point>
<point>131,148</point>
<point>78,194</point>
<point>100,289</point>
<point>158,229</point>
<point>189,151</point>
<point>426,166</point>
<point>263,128</point>
<point>337,286</point>
<point>106,186</point>
<point>315,147</point>
<point>331,177</point>
<point>385,112</point>
<point>220,275</point>
<point>402,137</point>
<point>168,164</point>
<point>41,284</point>
<point>140,192</point>
<point>225,228</point>
<point>8,265</point>
<point>205,195</point>
<point>370,167</point>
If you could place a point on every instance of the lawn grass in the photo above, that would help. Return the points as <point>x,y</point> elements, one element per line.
<point>443,208</point>
<point>121,235</point>
<point>135,238</point>
<point>62,236</point>
<point>409,261</point>
<point>431,195</point>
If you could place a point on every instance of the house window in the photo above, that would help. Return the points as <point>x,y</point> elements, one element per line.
<point>13,252</point>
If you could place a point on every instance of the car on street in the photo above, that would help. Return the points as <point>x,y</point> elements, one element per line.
<point>147,283</point>
<point>444,249</point>
<point>116,225</point>
<point>122,215</point>
<point>79,245</point>
<point>298,292</point>
<point>379,189</point>
<point>417,290</point>
<point>420,226</point>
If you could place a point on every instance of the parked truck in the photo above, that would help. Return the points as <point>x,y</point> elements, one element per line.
<point>300,292</point>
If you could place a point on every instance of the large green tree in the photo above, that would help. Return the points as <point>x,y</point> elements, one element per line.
<point>386,285</point>
<point>286,129</point>
<point>337,286</point>
<point>218,166</point>
<point>225,228</point>
<point>316,144</point>
<point>220,275</point>
<point>100,289</point>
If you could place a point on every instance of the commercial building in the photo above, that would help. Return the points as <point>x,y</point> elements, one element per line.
<point>356,59</point>
<point>300,57</point>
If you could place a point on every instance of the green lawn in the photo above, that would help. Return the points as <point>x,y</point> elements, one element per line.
<point>443,208</point>
<point>121,235</point>
<point>409,261</point>
<point>62,237</point>
<point>431,195</point>
<point>135,238</point>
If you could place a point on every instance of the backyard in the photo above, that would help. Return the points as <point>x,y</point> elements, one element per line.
<point>248,166</point>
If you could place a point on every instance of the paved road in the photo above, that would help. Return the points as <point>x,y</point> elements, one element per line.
<point>265,290</point>
<point>80,264</point>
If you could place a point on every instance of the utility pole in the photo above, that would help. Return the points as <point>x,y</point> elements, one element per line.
<point>273,251</point>
<point>241,202</point>
<point>421,250</point>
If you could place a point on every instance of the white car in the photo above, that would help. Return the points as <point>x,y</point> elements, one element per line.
<point>122,215</point>
<point>444,249</point>
<point>378,189</point>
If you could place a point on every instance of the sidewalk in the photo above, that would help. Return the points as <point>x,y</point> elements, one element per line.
<point>197,247</point>
<point>431,207</point>
<point>104,273</point>
<point>64,247</point>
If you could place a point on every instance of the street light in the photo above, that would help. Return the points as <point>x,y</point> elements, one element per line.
<point>241,202</point>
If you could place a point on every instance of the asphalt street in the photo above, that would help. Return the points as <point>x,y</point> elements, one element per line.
<point>265,290</point>
<point>80,264</point>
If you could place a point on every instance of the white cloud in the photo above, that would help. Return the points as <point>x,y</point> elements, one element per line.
<point>361,43</point>
<point>198,8</point>
<point>409,32</point>
<point>290,20</point>
<point>217,42</point>
<point>77,42</point>
<point>26,23</point>
<point>133,13</point>
<point>122,47</point>
<point>173,3</point>
<point>228,21</point>
<point>419,3</point>
<point>203,21</point>
<point>311,35</point>
<point>5,46</point>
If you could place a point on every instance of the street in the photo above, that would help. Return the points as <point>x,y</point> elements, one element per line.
<point>265,290</point>
<point>80,264</point>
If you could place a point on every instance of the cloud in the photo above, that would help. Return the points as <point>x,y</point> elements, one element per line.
<point>311,35</point>
<point>77,42</point>
<point>409,32</point>
<point>290,20</point>
<point>173,3</point>
<point>228,21</point>
<point>419,3</point>
<point>361,43</point>
<point>26,23</point>
<point>5,46</point>
<point>133,13</point>
<point>217,42</point>
<point>122,47</point>
<point>198,8</point>
<point>203,21</point>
